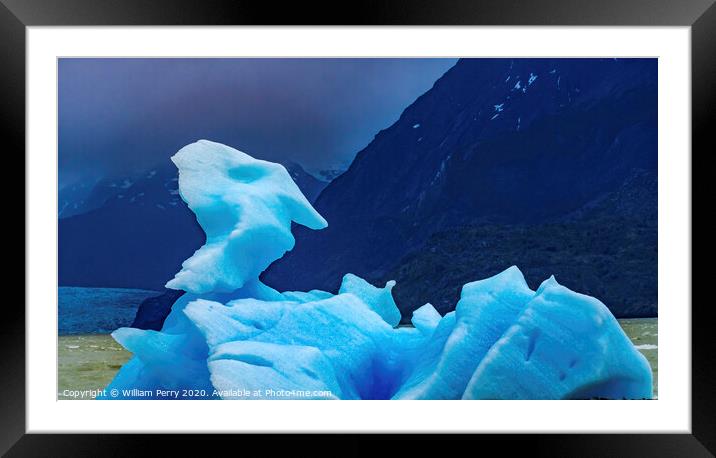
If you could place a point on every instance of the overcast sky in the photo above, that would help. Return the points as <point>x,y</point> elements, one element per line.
<point>124,115</point>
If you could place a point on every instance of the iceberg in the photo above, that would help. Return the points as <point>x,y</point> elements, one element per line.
<point>245,207</point>
<point>233,337</point>
<point>564,345</point>
<point>380,300</point>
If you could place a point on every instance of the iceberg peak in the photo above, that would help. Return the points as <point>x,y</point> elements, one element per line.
<point>245,207</point>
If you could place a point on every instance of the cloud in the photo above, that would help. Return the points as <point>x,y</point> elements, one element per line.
<point>118,115</point>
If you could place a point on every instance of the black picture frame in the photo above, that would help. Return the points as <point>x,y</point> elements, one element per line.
<point>700,15</point>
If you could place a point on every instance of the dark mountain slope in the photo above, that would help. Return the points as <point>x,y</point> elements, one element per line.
<point>607,250</point>
<point>495,141</point>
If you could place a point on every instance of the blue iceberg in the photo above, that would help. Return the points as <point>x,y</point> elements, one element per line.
<point>231,336</point>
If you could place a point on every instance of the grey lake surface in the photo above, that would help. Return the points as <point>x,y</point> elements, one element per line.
<point>97,310</point>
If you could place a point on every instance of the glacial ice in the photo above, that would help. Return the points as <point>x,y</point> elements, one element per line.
<point>230,334</point>
<point>245,207</point>
<point>425,319</point>
<point>564,345</point>
<point>380,300</point>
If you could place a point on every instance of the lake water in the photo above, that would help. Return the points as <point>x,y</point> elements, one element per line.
<point>97,310</point>
<point>87,362</point>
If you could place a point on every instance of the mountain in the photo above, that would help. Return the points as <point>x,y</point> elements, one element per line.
<point>498,148</point>
<point>87,195</point>
<point>606,250</point>
<point>140,233</point>
<point>329,175</point>
<point>72,197</point>
<point>307,183</point>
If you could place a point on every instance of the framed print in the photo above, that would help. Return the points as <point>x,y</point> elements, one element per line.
<point>463,218</point>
